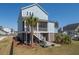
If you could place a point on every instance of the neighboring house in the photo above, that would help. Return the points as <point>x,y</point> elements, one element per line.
<point>6,30</point>
<point>71,29</point>
<point>2,32</point>
<point>45,28</point>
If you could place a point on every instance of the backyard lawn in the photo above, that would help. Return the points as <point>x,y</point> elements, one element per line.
<point>72,49</point>
<point>5,48</point>
<point>5,45</point>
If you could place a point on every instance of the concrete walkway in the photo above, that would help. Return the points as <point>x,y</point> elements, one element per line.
<point>2,37</point>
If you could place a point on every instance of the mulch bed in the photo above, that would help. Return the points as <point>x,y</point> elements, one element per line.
<point>17,43</point>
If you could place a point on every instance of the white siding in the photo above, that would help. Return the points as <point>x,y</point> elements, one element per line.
<point>51,27</point>
<point>20,24</point>
<point>37,12</point>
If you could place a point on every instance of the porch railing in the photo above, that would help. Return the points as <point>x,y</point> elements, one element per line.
<point>42,29</point>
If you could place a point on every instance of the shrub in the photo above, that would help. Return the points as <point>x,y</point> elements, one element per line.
<point>66,39</point>
<point>62,39</point>
<point>58,38</point>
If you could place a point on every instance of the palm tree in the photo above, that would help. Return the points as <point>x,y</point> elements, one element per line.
<point>32,22</point>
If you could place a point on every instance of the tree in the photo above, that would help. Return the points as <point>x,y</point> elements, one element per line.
<point>32,22</point>
<point>56,24</point>
<point>60,30</point>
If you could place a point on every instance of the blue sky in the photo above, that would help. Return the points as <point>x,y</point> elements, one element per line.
<point>63,13</point>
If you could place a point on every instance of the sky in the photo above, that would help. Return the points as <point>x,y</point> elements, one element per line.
<point>64,13</point>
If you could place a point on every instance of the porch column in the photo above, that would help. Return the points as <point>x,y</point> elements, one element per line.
<point>37,30</point>
<point>54,37</point>
<point>49,37</point>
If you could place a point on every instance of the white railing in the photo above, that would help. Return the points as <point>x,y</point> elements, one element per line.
<point>40,37</point>
<point>42,29</point>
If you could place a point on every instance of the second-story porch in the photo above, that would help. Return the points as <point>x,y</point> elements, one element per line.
<point>42,26</point>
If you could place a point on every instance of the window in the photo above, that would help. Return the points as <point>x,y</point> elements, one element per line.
<point>27,12</point>
<point>30,13</point>
<point>43,25</point>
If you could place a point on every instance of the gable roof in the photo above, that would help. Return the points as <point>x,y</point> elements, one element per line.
<point>70,27</point>
<point>35,5</point>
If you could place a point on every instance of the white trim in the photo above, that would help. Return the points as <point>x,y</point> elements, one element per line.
<point>41,32</point>
<point>35,4</point>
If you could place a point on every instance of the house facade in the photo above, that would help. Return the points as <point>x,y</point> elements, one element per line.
<point>45,28</point>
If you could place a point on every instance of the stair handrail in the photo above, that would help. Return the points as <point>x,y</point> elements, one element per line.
<point>39,36</point>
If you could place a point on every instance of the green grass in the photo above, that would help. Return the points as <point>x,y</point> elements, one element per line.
<point>5,45</point>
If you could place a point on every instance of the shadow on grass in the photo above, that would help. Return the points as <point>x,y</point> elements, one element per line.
<point>11,49</point>
<point>12,44</point>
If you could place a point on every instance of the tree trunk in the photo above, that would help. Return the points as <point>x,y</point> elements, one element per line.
<point>25,33</point>
<point>32,35</point>
<point>26,36</point>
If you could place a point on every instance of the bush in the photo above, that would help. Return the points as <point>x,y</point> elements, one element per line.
<point>62,39</point>
<point>58,38</point>
<point>66,39</point>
